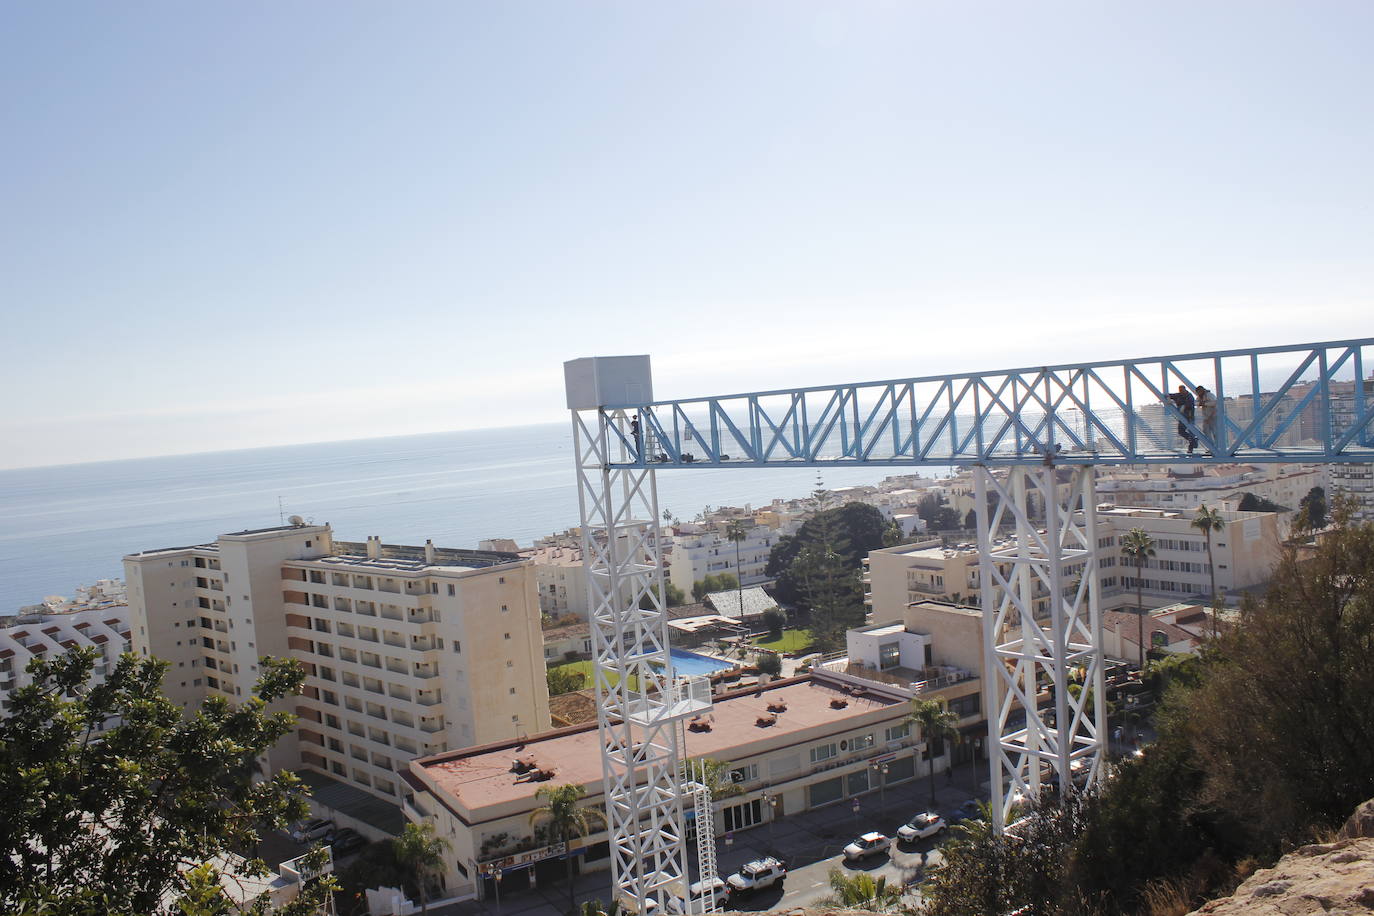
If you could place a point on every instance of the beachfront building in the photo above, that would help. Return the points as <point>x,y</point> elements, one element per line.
<point>43,635</point>
<point>701,551</point>
<point>794,745</point>
<point>408,651</point>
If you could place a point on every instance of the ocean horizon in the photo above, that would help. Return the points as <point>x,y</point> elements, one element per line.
<point>67,525</point>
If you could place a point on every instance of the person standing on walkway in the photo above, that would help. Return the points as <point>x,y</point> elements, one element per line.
<point>1207,414</point>
<point>1183,400</point>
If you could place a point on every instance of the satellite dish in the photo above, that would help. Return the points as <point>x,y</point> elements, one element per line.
<point>296,521</point>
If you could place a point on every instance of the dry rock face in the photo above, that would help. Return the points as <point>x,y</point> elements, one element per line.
<point>1330,878</point>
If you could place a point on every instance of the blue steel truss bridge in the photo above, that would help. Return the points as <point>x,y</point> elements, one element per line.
<point>1033,437</point>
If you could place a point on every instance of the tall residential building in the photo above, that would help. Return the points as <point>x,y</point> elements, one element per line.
<point>407,650</point>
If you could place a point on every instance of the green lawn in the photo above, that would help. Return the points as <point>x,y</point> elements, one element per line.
<point>790,641</point>
<point>584,668</point>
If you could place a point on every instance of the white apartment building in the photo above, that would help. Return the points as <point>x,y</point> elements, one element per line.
<point>407,650</point>
<point>560,576</point>
<point>1244,552</point>
<point>700,552</point>
<point>1191,486</point>
<point>29,636</point>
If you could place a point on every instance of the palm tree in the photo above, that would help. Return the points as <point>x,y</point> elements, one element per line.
<point>862,891</point>
<point>715,776</point>
<point>1137,547</point>
<point>566,821</point>
<point>737,533</point>
<point>1207,521</point>
<point>422,854</point>
<point>936,723</point>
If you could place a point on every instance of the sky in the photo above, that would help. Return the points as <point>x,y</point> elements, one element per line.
<point>227,225</point>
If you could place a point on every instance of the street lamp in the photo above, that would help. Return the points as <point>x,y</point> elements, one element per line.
<point>880,770</point>
<point>494,873</point>
<point>772,801</point>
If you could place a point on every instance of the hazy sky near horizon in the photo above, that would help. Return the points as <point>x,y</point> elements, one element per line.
<point>225,225</point>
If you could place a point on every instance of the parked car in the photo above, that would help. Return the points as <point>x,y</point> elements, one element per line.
<point>757,875</point>
<point>712,890</point>
<point>312,830</point>
<point>347,840</point>
<point>921,826</point>
<point>870,844</point>
<point>968,811</point>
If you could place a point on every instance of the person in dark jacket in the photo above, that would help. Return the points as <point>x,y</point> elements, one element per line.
<point>1183,400</point>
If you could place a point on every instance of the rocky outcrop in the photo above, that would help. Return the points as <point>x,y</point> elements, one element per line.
<point>1333,879</point>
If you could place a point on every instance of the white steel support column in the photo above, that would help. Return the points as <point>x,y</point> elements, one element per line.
<point>639,702</point>
<point>1029,657</point>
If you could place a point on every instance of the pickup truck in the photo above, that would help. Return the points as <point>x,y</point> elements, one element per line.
<point>757,875</point>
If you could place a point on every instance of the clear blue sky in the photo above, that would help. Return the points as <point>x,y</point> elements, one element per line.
<point>234,224</point>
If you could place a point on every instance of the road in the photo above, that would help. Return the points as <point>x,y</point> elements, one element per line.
<point>811,883</point>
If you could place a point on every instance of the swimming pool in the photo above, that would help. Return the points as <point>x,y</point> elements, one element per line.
<point>685,662</point>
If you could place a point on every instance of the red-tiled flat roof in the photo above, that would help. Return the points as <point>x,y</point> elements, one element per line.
<point>480,777</point>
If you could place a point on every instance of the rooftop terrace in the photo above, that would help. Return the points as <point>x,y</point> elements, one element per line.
<point>482,777</point>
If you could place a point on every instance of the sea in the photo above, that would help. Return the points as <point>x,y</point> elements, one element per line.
<point>61,527</point>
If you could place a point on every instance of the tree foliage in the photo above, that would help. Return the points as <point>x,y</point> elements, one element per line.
<point>818,568</point>
<point>770,663</point>
<point>1313,508</point>
<point>421,856</point>
<point>116,820</point>
<point>723,582</point>
<point>676,596</point>
<point>851,530</point>
<point>937,725</point>
<point>567,820</point>
<point>938,514</point>
<point>1249,502</point>
<point>862,891</point>
<point>564,680</point>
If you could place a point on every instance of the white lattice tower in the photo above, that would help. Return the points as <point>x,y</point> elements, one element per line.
<point>1025,652</point>
<point>639,706</point>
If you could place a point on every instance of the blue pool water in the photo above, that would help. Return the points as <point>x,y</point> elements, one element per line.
<point>685,662</point>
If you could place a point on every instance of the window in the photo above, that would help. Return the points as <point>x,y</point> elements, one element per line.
<point>457,647</point>
<point>970,705</point>
<point>512,691</point>
<point>504,609</point>
<point>451,591</point>
<point>823,752</point>
<point>898,732</point>
<point>737,817</point>
<point>745,773</point>
<point>889,655</point>
<point>506,636</point>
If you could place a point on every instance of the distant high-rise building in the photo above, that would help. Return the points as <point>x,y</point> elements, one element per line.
<point>407,650</point>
